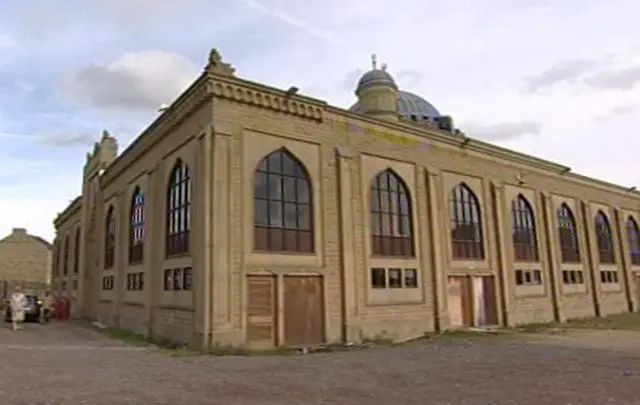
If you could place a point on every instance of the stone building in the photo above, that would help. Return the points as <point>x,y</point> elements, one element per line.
<point>246,214</point>
<point>25,261</point>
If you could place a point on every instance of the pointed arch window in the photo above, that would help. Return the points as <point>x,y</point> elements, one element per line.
<point>391,216</point>
<point>56,258</point>
<point>178,210</point>
<point>110,239</point>
<point>76,252</point>
<point>283,205</point>
<point>525,244</point>
<point>568,235</point>
<point>136,227</point>
<point>604,239</point>
<point>633,234</point>
<point>65,256</point>
<point>466,224</point>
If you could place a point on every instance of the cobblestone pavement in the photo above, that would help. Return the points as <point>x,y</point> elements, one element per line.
<point>71,365</point>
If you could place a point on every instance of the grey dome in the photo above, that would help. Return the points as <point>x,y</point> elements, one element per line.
<point>410,105</point>
<point>375,76</point>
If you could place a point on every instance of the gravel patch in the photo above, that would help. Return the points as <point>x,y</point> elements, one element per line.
<point>67,364</point>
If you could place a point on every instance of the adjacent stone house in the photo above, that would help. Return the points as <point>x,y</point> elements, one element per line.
<point>250,215</point>
<point>25,260</point>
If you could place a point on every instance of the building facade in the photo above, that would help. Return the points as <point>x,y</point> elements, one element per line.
<point>249,215</point>
<point>25,261</point>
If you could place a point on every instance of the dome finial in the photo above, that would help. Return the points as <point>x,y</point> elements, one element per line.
<point>374,61</point>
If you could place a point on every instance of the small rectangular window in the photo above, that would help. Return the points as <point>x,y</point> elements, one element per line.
<point>410,278</point>
<point>378,277</point>
<point>395,278</point>
<point>140,281</point>
<point>177,279</point>
<point>168,280</point>
<point>187,279</point>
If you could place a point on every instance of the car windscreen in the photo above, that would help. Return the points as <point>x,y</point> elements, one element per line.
<point>32,299</point>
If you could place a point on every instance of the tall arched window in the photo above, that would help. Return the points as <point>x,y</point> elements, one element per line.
<point>604,238</point>
<point>466,224</point>
<point>110,239</point>
<point>568,235</point>
<point>136,227</point>
<point>283,205</point>
<point>633,233</point>
<point>76,252</point>
<point>65,256</point>
<point>525,245</point>
<point>178,210</point>
<point>56,258</point>
<point>391,216</point>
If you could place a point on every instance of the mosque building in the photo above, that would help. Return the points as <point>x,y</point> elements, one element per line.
<point>251,215</point>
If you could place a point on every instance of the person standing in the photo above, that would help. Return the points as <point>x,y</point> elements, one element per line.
<point>45,308</point>
<point>18,306</point>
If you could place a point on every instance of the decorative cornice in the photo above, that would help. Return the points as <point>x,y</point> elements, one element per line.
<point>275,100</point>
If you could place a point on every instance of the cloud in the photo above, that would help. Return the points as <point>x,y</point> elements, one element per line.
<point>64,139</point>
<point>567,71</point>
<point>622,109</point>
<point>614,79</point>
<point>140,81</point>
<point>503,131</point>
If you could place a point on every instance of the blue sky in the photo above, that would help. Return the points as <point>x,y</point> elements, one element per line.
<point>547,78</point>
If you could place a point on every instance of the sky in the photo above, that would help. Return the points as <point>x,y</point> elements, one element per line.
<point>558,80</point>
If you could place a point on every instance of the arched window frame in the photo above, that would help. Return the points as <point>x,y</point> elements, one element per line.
<point>110,238</point>
<point>76,251</point>
<point>604,238</point>
<point>65,256</point>
<point>137,227</point>
<point>467,239</point>
<point>178,214</point>
<point>524,235</point>
<point>391,216</point>
<point>633,235</point>
<point>568,235</point>
<point>283,205</point>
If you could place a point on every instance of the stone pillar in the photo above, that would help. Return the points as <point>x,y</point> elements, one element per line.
<point>550,238</point>
<point>123,210</point>
<point>437,252</point>
<point>623,257</point>
<point>154,245</point>
<point>350,328</point>
<point>591,253</point>
<point>224,195</point>
<point>503,243</point>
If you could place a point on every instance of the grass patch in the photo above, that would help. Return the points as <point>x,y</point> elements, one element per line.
<point>625,321</point>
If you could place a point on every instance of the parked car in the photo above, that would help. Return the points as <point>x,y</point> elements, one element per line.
<point>32,311</point>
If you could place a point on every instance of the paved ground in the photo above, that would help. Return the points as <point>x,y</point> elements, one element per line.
<point>70,365</point>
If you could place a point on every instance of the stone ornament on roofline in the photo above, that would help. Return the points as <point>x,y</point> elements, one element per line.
<point>216,65</point>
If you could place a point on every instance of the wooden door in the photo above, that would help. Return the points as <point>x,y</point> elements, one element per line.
<point>490,300</point>
<point>467,301</point>
<point>459,301</point>
<point>261,311</point>
<point>303,311</point>
<point>637,278</point>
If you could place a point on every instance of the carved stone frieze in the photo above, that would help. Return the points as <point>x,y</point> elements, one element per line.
<point>262,99</point>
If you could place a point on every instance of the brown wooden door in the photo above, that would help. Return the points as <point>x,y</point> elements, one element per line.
<point>637,278</point>
<point>490,306</point>
<point>303,311</point>
<point>261,311</point>
<point>466,296</point>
